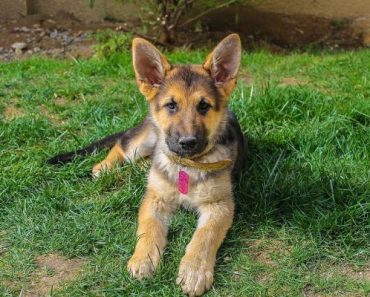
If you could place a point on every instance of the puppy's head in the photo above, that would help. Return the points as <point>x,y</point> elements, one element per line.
<point>187,102</point>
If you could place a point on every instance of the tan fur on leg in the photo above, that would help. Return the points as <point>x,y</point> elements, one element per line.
<point>136,143</point>
<point>154,216</point>
<point>197,266</point>
<point>115,156</point>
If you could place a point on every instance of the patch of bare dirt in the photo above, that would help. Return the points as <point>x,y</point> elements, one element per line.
<point>59,37</point>
<point>284,31</point>
<point>359,274</point>
<point>3,245</point>
<point>60,101</point>
<point>264,250</point>
<point>309,291</point>
<point>9,285</point>
<point>12,111</point>
<point>330,270</point>
<point>53,272</point>
<point>291,81</point>
<point>247,78</point>
<point>49,115</point>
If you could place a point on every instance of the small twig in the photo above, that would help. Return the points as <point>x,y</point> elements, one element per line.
<point>178,15</point>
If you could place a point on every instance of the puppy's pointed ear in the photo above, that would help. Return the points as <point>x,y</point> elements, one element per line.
<point>150,67</point>
<point>223,63</point>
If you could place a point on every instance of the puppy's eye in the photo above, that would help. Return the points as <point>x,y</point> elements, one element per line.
<point>171,106</point>
<point>203,107</point>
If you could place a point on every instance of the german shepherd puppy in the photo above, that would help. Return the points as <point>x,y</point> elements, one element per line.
<point>197,148</point>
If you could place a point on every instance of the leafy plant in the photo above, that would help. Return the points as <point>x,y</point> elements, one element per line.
<point>110,42</point>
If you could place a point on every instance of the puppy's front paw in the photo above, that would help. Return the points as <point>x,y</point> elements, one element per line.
<point>100,167</point>
<point>195,277</point>
<point>141,267</point>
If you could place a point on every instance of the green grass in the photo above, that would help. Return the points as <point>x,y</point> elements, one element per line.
<point>302,220</point>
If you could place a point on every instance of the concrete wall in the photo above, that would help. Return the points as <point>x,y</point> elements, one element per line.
<point>13,9</point>
<point>79,8</point>
<point>337,9</point>
<point>321,8</point>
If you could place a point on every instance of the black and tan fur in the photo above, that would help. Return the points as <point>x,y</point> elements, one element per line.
<point>188,117</point>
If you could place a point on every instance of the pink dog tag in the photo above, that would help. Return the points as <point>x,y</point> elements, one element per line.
<point>183,182</point>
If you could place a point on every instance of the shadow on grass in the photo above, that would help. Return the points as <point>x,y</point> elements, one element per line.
<point>278,190</point>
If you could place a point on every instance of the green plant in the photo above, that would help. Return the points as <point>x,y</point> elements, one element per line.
<point>110,43</point>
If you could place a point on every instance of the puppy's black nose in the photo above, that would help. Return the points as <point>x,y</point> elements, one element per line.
<point>188,142</point>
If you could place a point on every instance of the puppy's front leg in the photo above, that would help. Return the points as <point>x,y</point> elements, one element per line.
<point>196,267</point>
<point>154,217</point>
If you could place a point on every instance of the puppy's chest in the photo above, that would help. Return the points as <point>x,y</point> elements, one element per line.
<point>197,192</point>
<point>190,186</point>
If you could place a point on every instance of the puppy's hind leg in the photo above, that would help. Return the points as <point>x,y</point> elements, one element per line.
<point>135,143</point>
<point>115,156</point>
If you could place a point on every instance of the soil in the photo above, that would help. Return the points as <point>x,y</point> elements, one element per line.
<point>65,36</point>
<point>291,81</point>
<point>328,270</point>
<point>263,250</point>
<point>12,112</point>
<point>281,31</point>
<point>60,36</point>
<point>53,271</point>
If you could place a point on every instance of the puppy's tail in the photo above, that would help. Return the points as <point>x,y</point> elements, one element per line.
<point>106,142</point>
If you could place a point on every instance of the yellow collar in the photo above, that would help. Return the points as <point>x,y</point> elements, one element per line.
<point>213,166</point>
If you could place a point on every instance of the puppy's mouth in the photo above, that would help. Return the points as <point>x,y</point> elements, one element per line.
<point>186,151</point>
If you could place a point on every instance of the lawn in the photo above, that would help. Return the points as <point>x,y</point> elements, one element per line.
<point>302,221</point>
